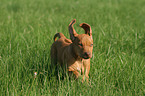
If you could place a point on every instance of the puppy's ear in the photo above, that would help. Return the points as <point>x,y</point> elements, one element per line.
<point>87,28</point>
<point>72,31</point>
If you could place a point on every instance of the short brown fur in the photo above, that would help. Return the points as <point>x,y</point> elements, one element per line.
<point>75,54</point>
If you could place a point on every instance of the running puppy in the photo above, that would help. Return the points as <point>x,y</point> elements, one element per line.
<point>75,54</point>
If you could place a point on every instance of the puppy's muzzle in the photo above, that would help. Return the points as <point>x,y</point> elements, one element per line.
<point>87,55</point>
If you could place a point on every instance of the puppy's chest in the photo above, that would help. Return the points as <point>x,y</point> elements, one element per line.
<point>76,66</point>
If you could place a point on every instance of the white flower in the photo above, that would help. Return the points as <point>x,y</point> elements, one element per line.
<point>35,73</point>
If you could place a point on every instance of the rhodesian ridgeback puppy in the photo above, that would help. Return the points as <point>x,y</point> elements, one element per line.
<point>75,54</point>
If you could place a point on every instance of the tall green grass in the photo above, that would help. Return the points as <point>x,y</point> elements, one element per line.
<point>27,28</point>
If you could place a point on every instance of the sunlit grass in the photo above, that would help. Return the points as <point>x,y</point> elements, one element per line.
<point>26,34</point>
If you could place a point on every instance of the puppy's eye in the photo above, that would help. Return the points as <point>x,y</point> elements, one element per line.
<point>80,44</point>
<point>91,45</point>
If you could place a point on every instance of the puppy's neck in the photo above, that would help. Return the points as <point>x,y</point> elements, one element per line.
<point>75,56</point>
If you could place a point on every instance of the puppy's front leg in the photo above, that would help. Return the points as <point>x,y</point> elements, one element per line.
<point>86,65</point>
<point>76,73</point>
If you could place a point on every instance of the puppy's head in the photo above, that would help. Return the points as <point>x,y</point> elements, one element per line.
<point>82,43</point>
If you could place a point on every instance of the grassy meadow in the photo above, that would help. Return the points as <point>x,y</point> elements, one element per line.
<point>27,28</point>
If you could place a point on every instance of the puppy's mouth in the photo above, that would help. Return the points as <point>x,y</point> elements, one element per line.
<point>86,55</point>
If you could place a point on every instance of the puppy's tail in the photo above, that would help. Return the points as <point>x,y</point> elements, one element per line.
<point>59,35</point>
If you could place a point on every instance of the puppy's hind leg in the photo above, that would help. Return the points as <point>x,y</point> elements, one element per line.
<point>53,56</point>
<point>53,59</point>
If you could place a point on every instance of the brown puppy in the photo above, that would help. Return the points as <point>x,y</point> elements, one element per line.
<point>75,54</point>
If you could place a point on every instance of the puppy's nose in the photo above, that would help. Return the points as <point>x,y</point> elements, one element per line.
<point>87,55</point>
